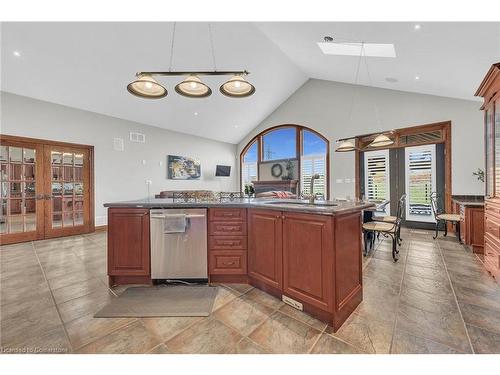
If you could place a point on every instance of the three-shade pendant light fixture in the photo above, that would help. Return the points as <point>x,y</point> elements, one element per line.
<point>145,86</point>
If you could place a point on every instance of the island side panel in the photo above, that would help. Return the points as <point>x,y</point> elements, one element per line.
<point>348,283</point>
<point>128,246</point>
<point>307,258</point>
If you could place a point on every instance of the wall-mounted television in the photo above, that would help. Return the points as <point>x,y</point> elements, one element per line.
<point>223,171</point>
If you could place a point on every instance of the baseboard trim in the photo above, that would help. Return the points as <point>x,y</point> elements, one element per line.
<point>101,228</point>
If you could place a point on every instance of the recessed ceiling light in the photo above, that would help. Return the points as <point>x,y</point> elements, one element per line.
<point>16,53</point>
<point>417,78</point>
<point>391,79</point>
<point>354,49</point>
<point>235,126</point>
<point>417,27</point>
<point>196,113</point>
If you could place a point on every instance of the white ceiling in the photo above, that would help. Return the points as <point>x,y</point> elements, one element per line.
<point>88,65</point>
<point>450,58</point>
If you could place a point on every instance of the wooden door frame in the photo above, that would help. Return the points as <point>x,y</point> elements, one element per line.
<point>444,126</point>
<point>90,149</point>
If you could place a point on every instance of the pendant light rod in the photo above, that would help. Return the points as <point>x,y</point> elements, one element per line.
<point>365,135</point>
<point>172,48</point>
<point>198,73</point>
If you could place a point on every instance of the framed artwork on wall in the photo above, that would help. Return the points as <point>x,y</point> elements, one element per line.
<point>183,168</point>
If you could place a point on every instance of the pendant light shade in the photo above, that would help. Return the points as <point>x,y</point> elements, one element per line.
<point>346,146</point>
<point>147,87</point>
<point>237,87</point>
<point>193,87</point>
<point>381,140</point>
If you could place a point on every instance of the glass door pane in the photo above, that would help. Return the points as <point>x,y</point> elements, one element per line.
<point>497,147</point>
<point>420,176</point>
<point>18,200</point>
<point>488,144</point>
<point>377,187</point>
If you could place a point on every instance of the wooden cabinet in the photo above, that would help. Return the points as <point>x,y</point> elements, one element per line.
<point>307,256</point>
<point>472,224</point>
<point>265,247</point>
<point>313,259</point>
<point>128,246</point>
<point>489,90</point>
<point>227,245</point>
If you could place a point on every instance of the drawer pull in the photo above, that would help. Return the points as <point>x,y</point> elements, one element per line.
<point>229,243</point>
<point>228,263</point>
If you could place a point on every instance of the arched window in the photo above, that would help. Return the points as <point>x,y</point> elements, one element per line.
<point>300,151</point>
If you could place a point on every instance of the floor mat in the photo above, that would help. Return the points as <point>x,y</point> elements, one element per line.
<point>161,301</point>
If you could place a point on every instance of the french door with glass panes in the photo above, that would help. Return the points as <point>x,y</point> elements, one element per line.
<point>66,186</point>
<point>45,190</point>
<point>22,192</point>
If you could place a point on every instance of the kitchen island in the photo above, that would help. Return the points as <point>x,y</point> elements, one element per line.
<point>308,254</point>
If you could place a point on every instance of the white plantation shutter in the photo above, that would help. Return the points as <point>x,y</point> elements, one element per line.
<point>420,182</point>
<point>377,187</point>
<point>248,173</point>
<point>310,165</point>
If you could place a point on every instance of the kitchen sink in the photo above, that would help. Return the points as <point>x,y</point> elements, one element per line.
<point>304,204</point>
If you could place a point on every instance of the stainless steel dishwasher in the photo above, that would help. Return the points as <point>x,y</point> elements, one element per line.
<point>179,244</point>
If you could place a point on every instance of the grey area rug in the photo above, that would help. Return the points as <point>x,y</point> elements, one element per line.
<point>161,300</point>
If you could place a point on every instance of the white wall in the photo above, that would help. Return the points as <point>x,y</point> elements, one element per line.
<point>324,106</point>
<point>119,175</point>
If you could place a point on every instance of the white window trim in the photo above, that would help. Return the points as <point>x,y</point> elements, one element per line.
<point>432,149</point>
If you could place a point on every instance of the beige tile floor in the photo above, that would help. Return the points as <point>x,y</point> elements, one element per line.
<point>436,299</point>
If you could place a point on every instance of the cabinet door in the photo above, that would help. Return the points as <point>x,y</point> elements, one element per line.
<point>307,258</point>
<point>265,247</point>
<point>128,242</point>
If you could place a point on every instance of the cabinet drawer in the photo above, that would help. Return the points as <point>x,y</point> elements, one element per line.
<point>218,228</point>
<point>492,226</point>
<point>491,258</point>
<point>227,214</point>
<point>227,242</point>
<point>492,209</point>
<point>227,262</point>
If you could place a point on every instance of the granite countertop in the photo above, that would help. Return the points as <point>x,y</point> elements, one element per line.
<point>320,207</point>
<point>469,200</point>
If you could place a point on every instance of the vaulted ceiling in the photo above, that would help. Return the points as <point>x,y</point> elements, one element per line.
<point>88,65</point>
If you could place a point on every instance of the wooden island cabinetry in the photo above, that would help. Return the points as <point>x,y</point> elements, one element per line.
<point>128,246</point>
<point>227,245</point>
<point>309,257</point>
<point>313,259</point>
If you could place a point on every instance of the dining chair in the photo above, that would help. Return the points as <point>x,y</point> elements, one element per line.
<point>387,229</point>
<point>442,216</point>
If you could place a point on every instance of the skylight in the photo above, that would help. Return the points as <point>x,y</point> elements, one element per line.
<point>354,49</point>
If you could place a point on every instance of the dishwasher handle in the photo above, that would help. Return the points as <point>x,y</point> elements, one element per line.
<point>191,216</point>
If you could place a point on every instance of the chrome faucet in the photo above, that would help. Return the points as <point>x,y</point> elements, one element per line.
<point>311,187</point>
